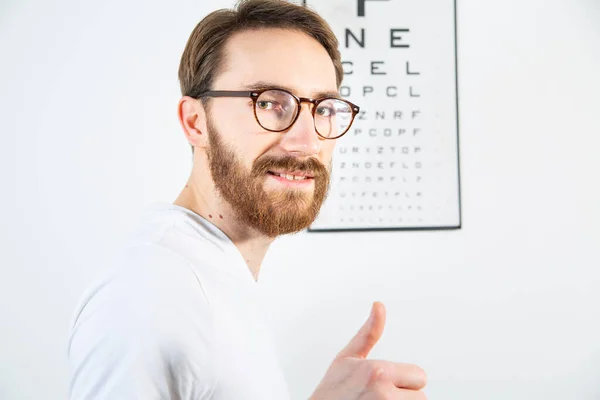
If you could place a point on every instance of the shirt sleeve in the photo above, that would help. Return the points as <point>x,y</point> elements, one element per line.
<point>144,331</point>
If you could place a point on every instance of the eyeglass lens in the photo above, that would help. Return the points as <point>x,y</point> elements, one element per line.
<point>276,110</point>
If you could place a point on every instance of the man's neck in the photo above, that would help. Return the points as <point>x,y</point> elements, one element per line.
<point>252,245</point>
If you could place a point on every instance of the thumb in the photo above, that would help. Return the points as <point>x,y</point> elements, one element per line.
<point>362,343</point>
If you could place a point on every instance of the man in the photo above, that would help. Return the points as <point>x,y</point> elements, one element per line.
<point>177,316</point>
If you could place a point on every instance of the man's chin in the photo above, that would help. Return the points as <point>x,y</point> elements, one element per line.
<point>291,202</point>
<point>295,224</point>
<point>281,210</point>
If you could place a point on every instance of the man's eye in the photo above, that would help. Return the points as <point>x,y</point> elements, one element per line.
<point>325,111</point>
<point>267,105</point>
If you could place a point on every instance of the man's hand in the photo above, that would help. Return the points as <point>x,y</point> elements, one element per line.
<point>352,377</point>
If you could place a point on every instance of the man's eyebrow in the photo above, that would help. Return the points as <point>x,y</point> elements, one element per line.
<point>260,85</point>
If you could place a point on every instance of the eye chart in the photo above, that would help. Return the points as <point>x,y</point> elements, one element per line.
<point>398,166</point>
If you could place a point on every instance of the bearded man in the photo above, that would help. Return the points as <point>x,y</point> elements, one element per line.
<point>177,315</point>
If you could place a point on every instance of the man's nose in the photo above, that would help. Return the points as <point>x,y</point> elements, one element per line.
<point>302,138</point>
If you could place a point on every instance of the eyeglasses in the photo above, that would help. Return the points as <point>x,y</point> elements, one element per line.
<point>277,110</point>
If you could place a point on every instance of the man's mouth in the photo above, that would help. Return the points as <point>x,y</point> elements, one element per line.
<point>292,175</point>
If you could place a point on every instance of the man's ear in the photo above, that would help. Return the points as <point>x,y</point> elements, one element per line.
<point>192,117</point>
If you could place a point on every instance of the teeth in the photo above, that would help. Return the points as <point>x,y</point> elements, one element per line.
<point>292,177</point>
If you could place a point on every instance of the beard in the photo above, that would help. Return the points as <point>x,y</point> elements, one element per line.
<point>273,212</point>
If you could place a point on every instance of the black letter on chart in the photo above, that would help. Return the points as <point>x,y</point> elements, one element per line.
<point>360,42</point>
<point>375,68</point>
<point>408,70</point>
<point>344,63</point>
<point>397,38</point>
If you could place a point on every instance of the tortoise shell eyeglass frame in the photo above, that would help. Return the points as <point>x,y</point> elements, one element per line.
<point>255,94</point>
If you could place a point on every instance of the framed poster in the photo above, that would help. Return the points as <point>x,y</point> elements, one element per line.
<point>398,166</point>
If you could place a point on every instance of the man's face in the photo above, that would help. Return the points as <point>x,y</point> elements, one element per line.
<point>244,158</point>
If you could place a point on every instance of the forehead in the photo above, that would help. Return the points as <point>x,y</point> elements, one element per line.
<point>288,58</point>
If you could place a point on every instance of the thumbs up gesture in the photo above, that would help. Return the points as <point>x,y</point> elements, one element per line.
<point>352,377</point>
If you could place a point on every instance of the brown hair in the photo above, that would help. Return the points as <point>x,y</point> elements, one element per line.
<point>203,54</point>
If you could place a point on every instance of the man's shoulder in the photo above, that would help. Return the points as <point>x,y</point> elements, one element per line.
<point>140,319</point>
<point>143,284</point>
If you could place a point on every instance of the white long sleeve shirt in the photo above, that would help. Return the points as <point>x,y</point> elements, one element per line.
<point>175,316</point>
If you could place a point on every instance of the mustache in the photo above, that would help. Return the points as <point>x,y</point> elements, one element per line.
<point>310,166</point>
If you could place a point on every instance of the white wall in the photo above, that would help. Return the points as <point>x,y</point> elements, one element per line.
<point>506,308</point>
